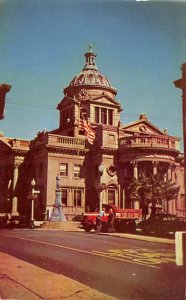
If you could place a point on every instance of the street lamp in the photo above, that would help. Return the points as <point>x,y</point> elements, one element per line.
<point>101,169</point>
<point>33,197</point>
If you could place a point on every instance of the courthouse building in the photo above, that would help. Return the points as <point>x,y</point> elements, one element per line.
<point>123,150</point>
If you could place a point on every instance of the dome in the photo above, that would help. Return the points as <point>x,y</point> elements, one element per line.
<point>93,77</point>
<point>90,74</point>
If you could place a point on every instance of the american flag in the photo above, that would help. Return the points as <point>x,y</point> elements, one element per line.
<point>89,132</point>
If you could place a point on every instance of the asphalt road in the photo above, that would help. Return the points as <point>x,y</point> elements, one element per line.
<point>122,268</point>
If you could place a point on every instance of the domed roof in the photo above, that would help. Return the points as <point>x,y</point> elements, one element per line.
<point>90,74</point>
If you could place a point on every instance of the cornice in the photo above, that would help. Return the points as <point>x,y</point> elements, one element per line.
<point>139,150</point>
<point>62,150</point>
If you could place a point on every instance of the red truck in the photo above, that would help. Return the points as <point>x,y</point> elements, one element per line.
<point>124,219</point>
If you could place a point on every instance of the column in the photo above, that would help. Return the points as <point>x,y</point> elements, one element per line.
<point>118,194</point>
<point>83,199</point>
<point>99,115</point>
<point>69,200</point>
<point>155,168</point>
<point>124,198</point>
<point>14,199</point>
<point>167,177</point>
<point>169,172</point>
<point>170,176</point>
<point>135,170</point>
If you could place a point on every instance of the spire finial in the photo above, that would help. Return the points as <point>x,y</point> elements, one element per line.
<point>90,48</point>
<point>90,59</point>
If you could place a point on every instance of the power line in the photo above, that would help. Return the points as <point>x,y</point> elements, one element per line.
<point>42,108</point>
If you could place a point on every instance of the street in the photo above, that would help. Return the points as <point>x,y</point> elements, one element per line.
<point>120,267</point>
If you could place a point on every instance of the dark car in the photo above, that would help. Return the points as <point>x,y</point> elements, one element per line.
<point>162,224</point>
<point>18,222</point>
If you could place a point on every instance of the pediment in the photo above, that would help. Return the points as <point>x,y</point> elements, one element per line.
<point>106,100</point>
<point>143,127</point>
<point>65,102</point>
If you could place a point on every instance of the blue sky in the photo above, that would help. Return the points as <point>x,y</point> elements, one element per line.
<point>140,47</point>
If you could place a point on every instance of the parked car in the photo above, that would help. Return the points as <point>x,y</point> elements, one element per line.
<point>18,222</point>
<point>162,224</point>
<point>3,220</point>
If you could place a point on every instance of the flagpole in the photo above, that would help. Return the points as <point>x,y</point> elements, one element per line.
<point>78,150</point>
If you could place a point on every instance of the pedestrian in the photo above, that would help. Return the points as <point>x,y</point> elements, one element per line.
<point>144,211</point>
<point>111,217</point>
<point>99,220</point>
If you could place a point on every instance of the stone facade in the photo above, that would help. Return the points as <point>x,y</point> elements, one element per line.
<point>124,150</point>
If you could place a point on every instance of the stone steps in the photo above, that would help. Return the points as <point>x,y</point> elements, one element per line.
<point>65,226</point>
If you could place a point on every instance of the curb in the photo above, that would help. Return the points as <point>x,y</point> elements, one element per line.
<point>115,234</point>
<point>141,238</point>
<point>21,280</point>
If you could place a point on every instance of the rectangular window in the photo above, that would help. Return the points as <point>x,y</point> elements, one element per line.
<point>103,116</point>
<point>111,138</point>
<point>64,197</point>
<point>63,169</point>
<point>97,114</point>
<point>110,117</point>
<point>84,112</point>
<point>77,197</point>
<point>111,197</point>
<point>77,169</point>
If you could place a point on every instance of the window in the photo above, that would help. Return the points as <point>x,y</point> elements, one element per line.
<point>77,170</point>
<point>97,114</point>
<point>103,116</point>
<point>110,117</point>
<point>63,169</point>
<point>67,117</point>
<point>64,197</point>
<point>77,197</point>
<point>111,138</point>
<point>84,112</point>
<point>111,197</point>
<point>106,115</point>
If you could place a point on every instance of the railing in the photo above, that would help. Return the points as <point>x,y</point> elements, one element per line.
<point>65,141</point>
<point>50,139</point>
<point>147,142</point>
<point>20,144</point>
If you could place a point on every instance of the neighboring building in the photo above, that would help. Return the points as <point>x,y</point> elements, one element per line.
<point>125,151</point>
<point>181,84</point>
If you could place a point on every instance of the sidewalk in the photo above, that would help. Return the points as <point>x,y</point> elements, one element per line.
<point>24,281</point>
<point>141,237</point>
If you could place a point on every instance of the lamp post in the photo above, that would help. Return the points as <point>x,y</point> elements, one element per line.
<point>101,169</point>
<point>33,197</point>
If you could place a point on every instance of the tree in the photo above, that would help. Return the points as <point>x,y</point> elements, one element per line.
<point>152,190</point>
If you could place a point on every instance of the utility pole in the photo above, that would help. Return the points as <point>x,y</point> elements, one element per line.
<point>4,88</point>
<point>181,84</point>
<point>101,170</point>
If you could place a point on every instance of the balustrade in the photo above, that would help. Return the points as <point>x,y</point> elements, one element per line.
<point>147,141</point>
<point>65,141</point>
<point>21,144</point>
